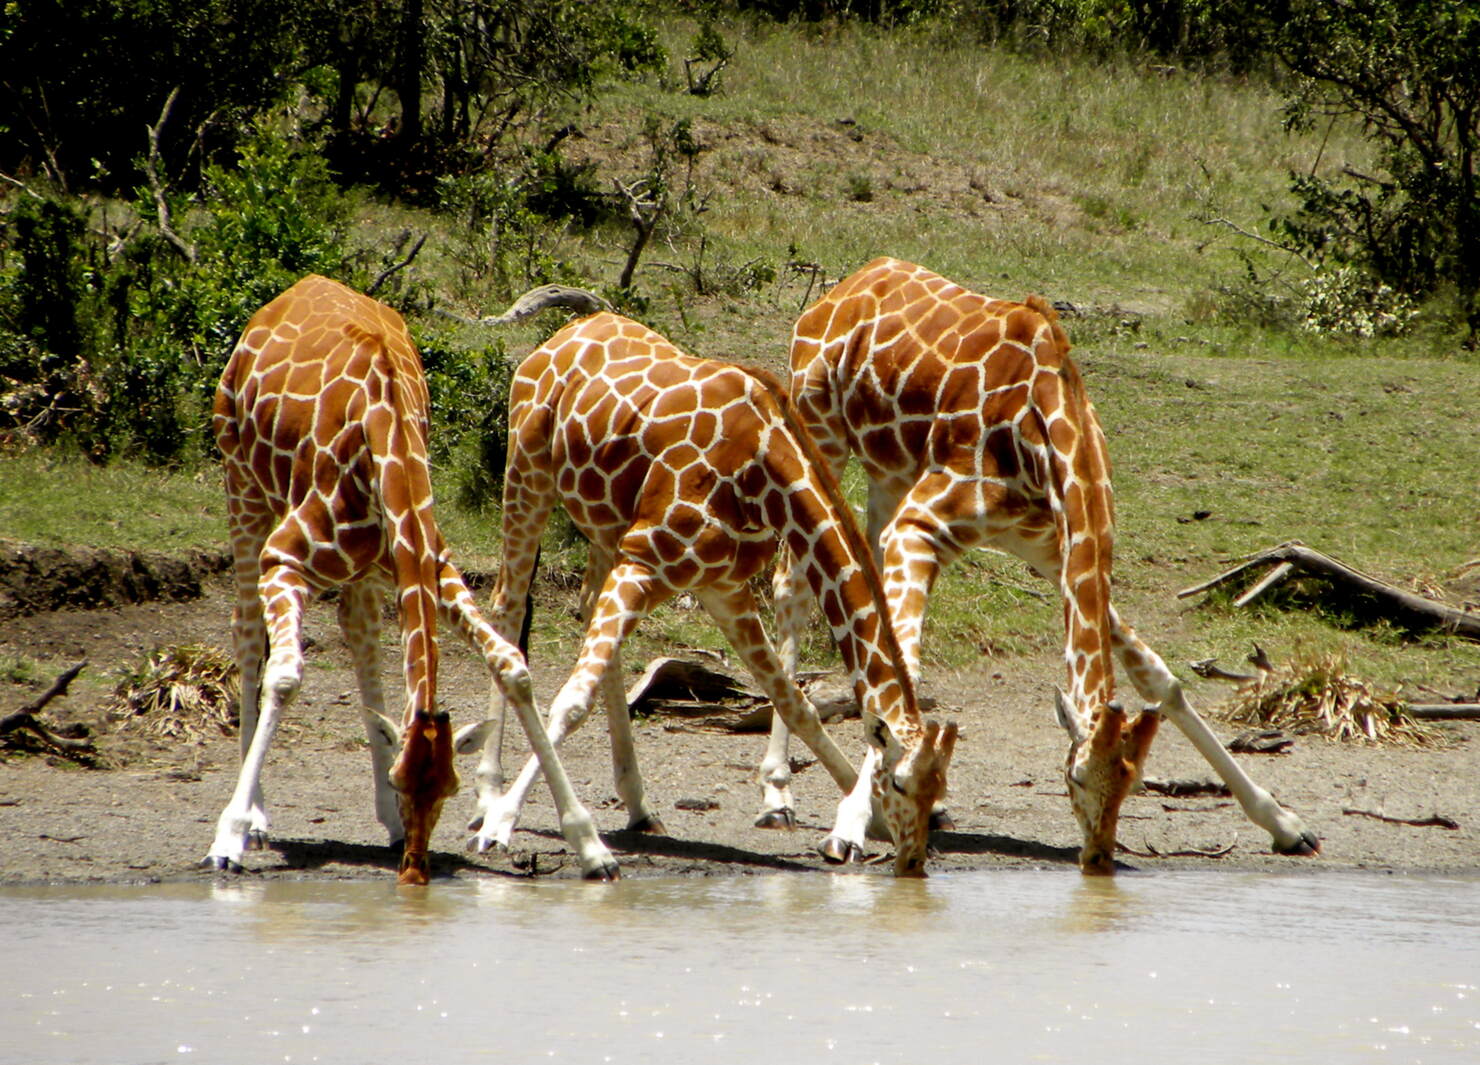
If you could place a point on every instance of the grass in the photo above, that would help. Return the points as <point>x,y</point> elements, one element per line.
<point>54,497</point>
<point>1099,183</point>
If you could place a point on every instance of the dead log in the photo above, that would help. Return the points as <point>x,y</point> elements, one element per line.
<point>1293,556</point>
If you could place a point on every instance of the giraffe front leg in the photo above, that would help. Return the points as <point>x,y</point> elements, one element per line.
<point>243,824</point>
<point>500,816</point>
<point>512,683</point>
<point>1152,678</point>
<point>735,613</point>
<point>857,815</point>
<point>778,809</point>
<point>627,778</point>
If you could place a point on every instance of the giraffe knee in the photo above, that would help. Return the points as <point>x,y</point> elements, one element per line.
<point>283,679</point>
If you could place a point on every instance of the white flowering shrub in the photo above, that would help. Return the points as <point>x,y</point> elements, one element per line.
<point>1346,300</point>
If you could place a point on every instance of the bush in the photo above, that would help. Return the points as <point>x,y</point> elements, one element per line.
<point>134,339</point>
<point>470,414</point>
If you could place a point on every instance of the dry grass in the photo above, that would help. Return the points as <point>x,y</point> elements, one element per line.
<point>180,692</point>
<point>1315,695</point>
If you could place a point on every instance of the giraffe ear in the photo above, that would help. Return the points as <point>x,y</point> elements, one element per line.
<point>471,738</point>
<point>1065,713</point>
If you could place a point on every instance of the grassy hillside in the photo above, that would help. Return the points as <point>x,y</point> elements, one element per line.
<point>1117,187</point>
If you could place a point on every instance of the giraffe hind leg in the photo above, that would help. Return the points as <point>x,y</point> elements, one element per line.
<point>359,621</point>
<point>1157,683</point>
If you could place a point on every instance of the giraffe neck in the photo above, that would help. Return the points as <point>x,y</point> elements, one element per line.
<point>825,541</point>
<point>1077,481</point>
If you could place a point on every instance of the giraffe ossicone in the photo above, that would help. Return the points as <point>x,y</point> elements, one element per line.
<point>974,428</point>
<point>683,474</point>
<point>321,419</point>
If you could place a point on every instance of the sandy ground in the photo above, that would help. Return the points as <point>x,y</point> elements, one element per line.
<point>152,817</point>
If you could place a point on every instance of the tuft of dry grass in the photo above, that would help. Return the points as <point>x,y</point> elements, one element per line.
<point>179,692</point>
<point>1314,694</point>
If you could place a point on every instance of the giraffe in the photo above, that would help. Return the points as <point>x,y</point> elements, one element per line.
<point>974,428</point>
<point>321,419</point>
<point>683,473</point>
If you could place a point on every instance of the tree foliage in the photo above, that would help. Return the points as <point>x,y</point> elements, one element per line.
<point>1407,70</point>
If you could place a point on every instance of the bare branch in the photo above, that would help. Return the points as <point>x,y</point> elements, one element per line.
<point>389,270</point>
<point>1256,237</point>
<point>156,183</point>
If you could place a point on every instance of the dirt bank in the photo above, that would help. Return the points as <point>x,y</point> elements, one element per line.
<point>152,816</point>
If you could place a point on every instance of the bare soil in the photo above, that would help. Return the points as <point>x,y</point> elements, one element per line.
<point>151,815</point>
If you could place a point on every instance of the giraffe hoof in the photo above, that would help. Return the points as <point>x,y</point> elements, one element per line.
<point>941,821</point>
<point>256,840</point>
<point>840,851</point>
<point>221,864</point>
<point>606,872</point>
<point>785,818</point>
<point>1306,845</point>
<point>476,823</point>
<point>649,826</point>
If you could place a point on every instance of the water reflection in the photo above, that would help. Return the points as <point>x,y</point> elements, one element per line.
<point>1030,966</point>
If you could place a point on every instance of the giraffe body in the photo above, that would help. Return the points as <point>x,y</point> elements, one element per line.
<point>321,418</point>
<point>974,428</point>
<point>683,473</point>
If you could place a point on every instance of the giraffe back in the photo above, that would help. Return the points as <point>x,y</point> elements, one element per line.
<point>321,415</point>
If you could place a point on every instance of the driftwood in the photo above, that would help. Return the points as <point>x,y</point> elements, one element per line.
<point>1436,821</point>
<point>25,719</point>
<point>1294,556</point>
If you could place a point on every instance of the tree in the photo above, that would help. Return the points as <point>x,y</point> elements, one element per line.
<point>80,79</point>
<point>1407,70</point>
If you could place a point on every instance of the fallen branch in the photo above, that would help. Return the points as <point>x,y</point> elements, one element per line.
<point>1445,711</point>
<point>1294,556</point>
<point>1184,788</point>
<point>1436,821</point>
<point>1208,669</point>
<point>25,718</point>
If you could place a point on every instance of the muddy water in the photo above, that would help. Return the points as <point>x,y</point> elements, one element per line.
<point>971,968</point>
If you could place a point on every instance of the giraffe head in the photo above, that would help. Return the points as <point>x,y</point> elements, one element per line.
<point>1104,764</point>
<point>909,779</point>
<point>424,777</point>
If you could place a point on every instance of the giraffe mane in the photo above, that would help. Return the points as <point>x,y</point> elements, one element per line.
<point>833,492</point>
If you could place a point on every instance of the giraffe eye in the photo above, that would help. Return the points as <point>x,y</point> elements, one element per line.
<point>896,785</point>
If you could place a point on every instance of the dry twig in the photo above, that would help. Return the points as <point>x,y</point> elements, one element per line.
<point>1436,821</point>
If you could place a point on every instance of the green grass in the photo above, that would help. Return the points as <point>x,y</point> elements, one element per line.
<point>57,498</point>
<point>1093,182</point>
